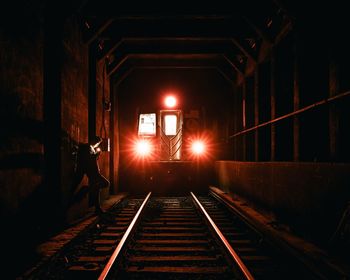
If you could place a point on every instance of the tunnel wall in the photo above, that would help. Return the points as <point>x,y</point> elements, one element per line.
<point>75,110</point>
<point>27,69</point>
<point>74,107</point>
<point>21,114</point>
<point>310,197</point>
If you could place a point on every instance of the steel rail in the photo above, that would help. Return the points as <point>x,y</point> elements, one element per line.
<point>227,245</point>
<point>117,250</point>
<point>272,237</point>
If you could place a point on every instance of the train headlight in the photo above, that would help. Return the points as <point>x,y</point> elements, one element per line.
<point>143,148</point>
<point>198,148</point>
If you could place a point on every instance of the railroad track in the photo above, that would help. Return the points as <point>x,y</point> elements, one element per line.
<point>86,255</point>
<point>173,241</point>
<point>263,260</point>
<point>171,238</point>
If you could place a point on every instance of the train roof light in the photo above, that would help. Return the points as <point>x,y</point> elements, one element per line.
<point>170,101</point>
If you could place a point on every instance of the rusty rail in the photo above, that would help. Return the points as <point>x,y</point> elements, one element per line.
<point>117,250</point>
<point>227,245</point>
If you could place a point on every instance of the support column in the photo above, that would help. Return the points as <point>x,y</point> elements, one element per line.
<point>273,105</point>
<point>236,124</point>
<point>256,112</point>
<point>333,112</point>
<point>244,123</point>
<point>296,103</point>
<point>114,132</point>
<point>92,90</point>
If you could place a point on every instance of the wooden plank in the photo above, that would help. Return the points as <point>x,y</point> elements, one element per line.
<point>171,241</point>
<point>105,242</point>
<point>123,218</point>
<point>177,219</point>
<point>115,228</point>
<point>121,223</point>
<point>173,223</point>
<point>145,248</point>
<point>172,234</point>
<point>111,234</point>
<point>103,249</point>
<point>81,268</point>
<point>176,215</point>
<point>91,259</point>
<point>181,269</point>
<point>167,228</point>
<point>170,258</point>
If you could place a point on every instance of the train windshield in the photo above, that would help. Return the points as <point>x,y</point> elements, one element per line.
<point>170,125</point>
<point>147,125</point>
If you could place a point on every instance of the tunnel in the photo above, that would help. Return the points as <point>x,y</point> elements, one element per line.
<point>265,83</point>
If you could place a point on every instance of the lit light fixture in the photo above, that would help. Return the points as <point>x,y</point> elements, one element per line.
<point>198,147</point>
<point>143,148</point>
<point>170,101</point>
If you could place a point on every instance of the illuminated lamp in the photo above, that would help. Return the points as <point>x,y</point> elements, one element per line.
<point>143,148</point>
<point>198,147</point>
<point>170,101</point>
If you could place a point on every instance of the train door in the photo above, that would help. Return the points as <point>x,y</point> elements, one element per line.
<point>170,123</point>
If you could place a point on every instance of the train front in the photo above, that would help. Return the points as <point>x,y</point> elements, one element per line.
<point>172,151</point>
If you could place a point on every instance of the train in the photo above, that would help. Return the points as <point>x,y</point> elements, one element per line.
<point>171,150</point>
<point>170,135</point>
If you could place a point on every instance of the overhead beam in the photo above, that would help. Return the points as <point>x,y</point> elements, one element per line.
<point>178,27</point>
<point>259,31</point>
<point>284,32</point>
<point>116,44</point>
<point>112,47</point>
<point>244,50</point>
<point>225,48</point>
<point>124,72</point>
<point>172,60</point>
<point>168,61</point>
<point>99,31</point>
<point>234,65</point>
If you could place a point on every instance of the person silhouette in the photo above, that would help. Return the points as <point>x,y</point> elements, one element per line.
<point>87,163</point>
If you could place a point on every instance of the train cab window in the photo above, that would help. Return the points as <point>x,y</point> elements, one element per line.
<point>170,125</point>
<point>147,124</point>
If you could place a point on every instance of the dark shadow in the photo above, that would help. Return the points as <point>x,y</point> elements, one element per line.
<point>23,231</point>
<point>14,123</point>
<point>34,218</point>
<point>23,160</point>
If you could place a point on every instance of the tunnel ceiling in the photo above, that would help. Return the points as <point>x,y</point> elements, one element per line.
<point>220,36</point>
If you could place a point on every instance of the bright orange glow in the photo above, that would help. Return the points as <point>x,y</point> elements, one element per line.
<point>143,148</point>
<point>170,101</point>
<point>198,147</point>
